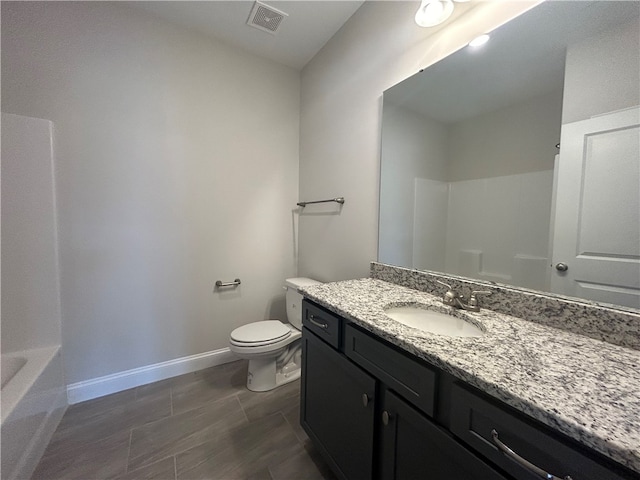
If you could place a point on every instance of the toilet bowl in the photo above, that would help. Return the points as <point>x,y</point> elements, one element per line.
<point>272,347</point>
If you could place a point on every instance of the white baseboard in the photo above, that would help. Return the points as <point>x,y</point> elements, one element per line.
<point>116,382</point>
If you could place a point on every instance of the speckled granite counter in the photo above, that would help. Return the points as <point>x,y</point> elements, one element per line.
<point>582,387</point>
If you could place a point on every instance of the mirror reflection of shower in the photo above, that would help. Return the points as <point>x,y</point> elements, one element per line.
<point>469,145</point>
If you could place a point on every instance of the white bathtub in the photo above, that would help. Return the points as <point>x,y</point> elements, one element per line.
<point>33,400</point>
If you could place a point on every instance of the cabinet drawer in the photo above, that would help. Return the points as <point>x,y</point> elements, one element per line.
<point>474,418</point>
<point>412,380</point>
<point>323,323</point>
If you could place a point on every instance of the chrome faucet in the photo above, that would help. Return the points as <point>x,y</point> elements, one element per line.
<point>458,300</point>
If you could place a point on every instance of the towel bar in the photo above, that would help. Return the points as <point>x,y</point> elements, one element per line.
<point>339,200</point>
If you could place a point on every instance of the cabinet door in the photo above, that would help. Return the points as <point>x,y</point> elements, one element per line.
<point>337,408</point>
<point>414,448</point>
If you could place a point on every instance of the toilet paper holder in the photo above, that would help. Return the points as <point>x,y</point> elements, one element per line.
<point>235,283</point>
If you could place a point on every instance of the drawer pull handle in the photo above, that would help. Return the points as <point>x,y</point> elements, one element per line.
<point>365,399</point>
<point>316,323</point>
<point>525,463</point>
<point>385,418</point>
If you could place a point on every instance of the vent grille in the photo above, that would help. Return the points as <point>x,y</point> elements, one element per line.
<point>265,18</point>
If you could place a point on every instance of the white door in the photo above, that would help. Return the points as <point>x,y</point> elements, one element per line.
<point>596,232</point>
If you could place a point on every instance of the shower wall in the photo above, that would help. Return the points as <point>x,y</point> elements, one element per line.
<point>498,228</point>
<point>30,288</point>
<point>487,216</point>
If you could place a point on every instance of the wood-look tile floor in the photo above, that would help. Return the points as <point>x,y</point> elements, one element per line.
<point>203,425</point>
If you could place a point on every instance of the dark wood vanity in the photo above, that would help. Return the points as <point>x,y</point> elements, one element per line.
<point>375,411</point>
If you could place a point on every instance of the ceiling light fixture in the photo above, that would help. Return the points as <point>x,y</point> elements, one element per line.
<point>433,12</point>
<point>481,40</point>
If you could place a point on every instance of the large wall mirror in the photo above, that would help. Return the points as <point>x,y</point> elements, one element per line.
<point>517,162</point>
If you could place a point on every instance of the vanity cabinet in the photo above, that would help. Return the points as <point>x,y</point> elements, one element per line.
<point>373,422</point>
<point>337,408</point>
<point>376,412</point>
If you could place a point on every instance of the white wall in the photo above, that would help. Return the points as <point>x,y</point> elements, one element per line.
<point>30,289</point>
<point>589,73</point>
<point>341,106</point>
<point>177,166</point>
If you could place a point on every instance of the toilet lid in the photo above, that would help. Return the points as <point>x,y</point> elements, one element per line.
<point>260,332</point>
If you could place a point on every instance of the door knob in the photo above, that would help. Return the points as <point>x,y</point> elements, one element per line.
<point>562,267</point>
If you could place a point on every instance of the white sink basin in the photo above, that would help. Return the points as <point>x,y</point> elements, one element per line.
<point>417,316</point>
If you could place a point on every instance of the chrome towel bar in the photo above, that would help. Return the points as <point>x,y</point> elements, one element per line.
<point>235,283</point>
<point>339,200</point>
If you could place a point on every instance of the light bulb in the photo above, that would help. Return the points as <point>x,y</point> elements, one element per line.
<point>481,40</point>
<point>433,12</point>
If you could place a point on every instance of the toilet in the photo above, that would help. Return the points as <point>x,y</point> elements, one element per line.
<point>272,347</point>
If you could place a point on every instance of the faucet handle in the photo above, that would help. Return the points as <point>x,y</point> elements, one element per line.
<point>451,296</point>
<point>473,299</point>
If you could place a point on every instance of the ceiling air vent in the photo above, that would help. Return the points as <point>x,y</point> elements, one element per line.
<point>265,18</point>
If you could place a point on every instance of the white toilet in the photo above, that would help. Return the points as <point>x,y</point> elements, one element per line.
<point>273,348</point>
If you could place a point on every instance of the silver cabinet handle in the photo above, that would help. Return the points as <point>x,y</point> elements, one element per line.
<point>521,461</point>
<point>365,399</point>
<point>385,418</point>
<point>316,323</point>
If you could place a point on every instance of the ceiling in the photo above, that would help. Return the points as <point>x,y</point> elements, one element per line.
<point>523,59</point>
<point>307,28</point>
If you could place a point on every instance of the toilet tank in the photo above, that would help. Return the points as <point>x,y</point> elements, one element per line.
<point>294,299</point>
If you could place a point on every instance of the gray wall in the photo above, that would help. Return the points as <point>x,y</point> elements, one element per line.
<point>174,169</point>
<point>341,106</point>
<point>589,74</point>
<point>497,143</point>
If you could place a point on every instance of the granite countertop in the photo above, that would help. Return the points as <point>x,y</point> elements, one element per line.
<point>585,388</point>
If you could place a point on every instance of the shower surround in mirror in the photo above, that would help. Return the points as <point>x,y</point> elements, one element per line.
<point>470,166</point>
<point>481,201</point>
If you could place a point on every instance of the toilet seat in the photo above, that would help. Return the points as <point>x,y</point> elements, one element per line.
<point>273,347</point>
<point>260,334</point>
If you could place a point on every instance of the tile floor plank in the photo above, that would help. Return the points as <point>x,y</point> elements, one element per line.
<point>242,452</point>
<point>301,465</point>
<point>175,434</point>
<point>200,425</point>
<point>96,418</point>
<point>162,470</point>
<point>83,459</point>
<point>213,384</point>
<point>261,404</point>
